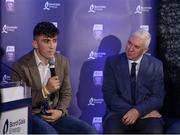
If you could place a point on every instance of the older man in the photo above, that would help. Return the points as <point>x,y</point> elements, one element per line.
<point>133,89</point>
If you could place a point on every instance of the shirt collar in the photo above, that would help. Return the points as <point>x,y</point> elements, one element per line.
<point>137,61</point>
<point>38,61</point>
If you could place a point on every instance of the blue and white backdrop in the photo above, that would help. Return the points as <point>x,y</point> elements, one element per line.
<point>90,30</point>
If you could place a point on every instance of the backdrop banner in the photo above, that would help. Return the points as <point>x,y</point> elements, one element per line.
<point>90,31</point>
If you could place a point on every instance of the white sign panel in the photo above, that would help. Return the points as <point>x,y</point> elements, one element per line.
<point>12,94</point>
<point>14,121</point>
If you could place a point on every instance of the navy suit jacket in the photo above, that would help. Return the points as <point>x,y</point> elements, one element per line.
<point>117,90</point>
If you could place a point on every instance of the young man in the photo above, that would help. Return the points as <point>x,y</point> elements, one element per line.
<point>133,89</point>
<point>51,89</point>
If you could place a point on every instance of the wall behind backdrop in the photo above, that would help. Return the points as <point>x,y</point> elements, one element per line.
<point>169,51</point>
<point>90,31</point>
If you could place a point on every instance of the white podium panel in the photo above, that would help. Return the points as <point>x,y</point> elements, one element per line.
<point>14,121</point>
<point>12,94</point>
<point>16,108</point>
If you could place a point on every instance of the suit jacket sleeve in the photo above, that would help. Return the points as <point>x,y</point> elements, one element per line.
<point>24,76</point>
<point>113,99</point>
<point>65,91</point>
<point>154,100</point>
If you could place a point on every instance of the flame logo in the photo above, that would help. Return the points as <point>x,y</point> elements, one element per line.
<point>6,127</point>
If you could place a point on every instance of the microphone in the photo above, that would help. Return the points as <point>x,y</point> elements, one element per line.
<point>53,73</point>
<point>52,66</point>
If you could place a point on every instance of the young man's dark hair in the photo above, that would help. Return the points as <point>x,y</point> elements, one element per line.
<point>45,28</point>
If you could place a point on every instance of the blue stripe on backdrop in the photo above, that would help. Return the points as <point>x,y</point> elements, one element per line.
<point>90,31</point>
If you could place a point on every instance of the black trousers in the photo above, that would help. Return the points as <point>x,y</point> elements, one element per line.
<point>114,125</point>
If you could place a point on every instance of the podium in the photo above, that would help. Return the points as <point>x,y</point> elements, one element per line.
<point>15,107</point>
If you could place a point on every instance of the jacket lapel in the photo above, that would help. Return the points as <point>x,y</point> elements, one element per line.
<point>143,67</point>
<point>34,72</point>
<point>123,69</point>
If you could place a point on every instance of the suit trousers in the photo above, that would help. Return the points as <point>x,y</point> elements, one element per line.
<point>114,125</point>
<point>65,125</point>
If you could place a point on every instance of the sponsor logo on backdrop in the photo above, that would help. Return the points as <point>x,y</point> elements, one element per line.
<point>145,27</point>
<point>6,78</point>
<point>98,78</point>
<point>98,31</point>
<point>10,53</point>
<point>95,55</point>
<point>49,5</point>
<point>94,101</point>
<point>10,5</point>
<point>14,125</point>
<point>6,29</point>
<point>91,102</point>
<point>140,9</point>
<point>95,8</point>
<point>55,24</point>
<point>92,55</point>
<point>97,123</point>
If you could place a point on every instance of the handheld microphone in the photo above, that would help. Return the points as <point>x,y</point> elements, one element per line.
<point>53,73</point>
<point>52,66</point>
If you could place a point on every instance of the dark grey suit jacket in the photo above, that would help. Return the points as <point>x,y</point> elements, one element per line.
<point>27,68</point>
<point>117,90</point>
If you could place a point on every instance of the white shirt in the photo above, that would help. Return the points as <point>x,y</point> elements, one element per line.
<point>44,71</point>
